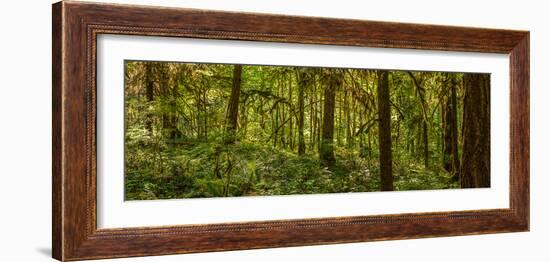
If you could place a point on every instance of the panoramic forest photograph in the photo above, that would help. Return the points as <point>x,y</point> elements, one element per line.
<point>196,130</point>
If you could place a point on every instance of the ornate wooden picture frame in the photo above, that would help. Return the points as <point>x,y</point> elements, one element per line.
<point>76,26</point>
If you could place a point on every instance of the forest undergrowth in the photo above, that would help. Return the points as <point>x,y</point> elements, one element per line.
<point>193,169</point>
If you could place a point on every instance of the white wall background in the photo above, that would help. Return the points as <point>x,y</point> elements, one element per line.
<point>25,129</point>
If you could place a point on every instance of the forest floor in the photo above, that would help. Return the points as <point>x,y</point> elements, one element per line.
<point>191,169</point>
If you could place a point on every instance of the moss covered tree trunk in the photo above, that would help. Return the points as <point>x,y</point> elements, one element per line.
<point>233,106</point>
<point>425,144</point>
<point>303,79</point>
<point>451,161</point>
<point>384,132</point>
<point>326,149</point>
<point>149,93</point>
<point>475,170</point>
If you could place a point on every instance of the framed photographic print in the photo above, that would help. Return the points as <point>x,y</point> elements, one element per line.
<point>181,130</point>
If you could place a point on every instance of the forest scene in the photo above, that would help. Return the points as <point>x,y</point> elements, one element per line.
<point>221,130</point>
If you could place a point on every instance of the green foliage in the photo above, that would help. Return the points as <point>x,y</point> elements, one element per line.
<point>177,146</point>
<point>213,169</point>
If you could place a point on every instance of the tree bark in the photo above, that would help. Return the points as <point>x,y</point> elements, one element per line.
<point>425,144</point>
<point>326,151</point>
<point>205,113</point>
<point>233,106</point>
<point>290,115</point>
<point>384,132</point>
<point>312,115</point>
<point>303,79</point>
<point>475,170</point>
<point>149,93</point>
<point>451,161</point>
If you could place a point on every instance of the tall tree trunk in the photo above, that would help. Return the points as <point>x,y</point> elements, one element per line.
<point>175,133</point>
<point>319,117</point>
<point>283,117</point>
<point>167,96</point>
<point>312,116</point>
<point>326,151</point>
<point>475,170</point>
<point>339,127</point>
<point>149,93</point>
<point>290,115</point>
<point>443,132</point>
<point>205,113</point>
<point>384,132</point>
<point>450,154</point>
<point>243,119</point>
<point>198,110</point>
<point>353,125</point>
<point>233,106</point>
<point>277,119</point>
<point>425,143</point>
<point>274,125</point>
<point>303,79</point>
